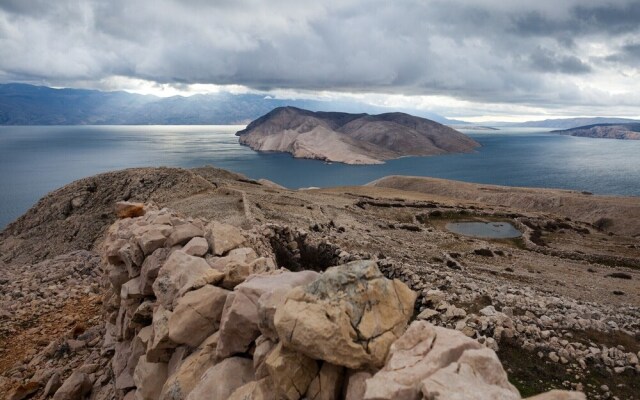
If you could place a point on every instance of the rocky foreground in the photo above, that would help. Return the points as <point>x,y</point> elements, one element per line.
<point>193,313</point>
<point>82,307</point>
<point>352,138</point>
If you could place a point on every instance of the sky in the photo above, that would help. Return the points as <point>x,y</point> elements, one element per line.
<point>477,60</point>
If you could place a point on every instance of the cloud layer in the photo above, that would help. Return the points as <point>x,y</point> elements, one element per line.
<point>547,55</point>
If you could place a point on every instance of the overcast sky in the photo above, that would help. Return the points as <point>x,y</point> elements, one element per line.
<point>475,59</point>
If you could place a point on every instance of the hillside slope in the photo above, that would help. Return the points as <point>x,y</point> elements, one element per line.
<point>605,131</point>
<point>351,138</point>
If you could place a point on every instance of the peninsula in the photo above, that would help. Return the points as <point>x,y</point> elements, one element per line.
<point>629,131</point>
<point>352,138</point>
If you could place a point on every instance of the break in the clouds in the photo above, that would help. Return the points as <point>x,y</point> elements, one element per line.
<point>475,57</point>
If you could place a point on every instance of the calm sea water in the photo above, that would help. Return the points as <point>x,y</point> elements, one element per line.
<point>36,160</point>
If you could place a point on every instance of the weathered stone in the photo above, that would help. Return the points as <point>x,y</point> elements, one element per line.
<point>242,255</point>
<point>150,268</point>
<point>52,385</point>
<point>264,346</point>
<point>132,257</point>
<point>348,316</point>
<point>355,386</point>
<point>223,237</point>
<point>256,390</point>
<point>223,379</point>
<point>152,239</point>
<point>198,246</point>
<point>477,375</point>
<point>131,290</point>
<point>327,385</point>
<point>149,378</point>
<point>180,274</point>
<point>197,315</point>
<point>183,233</point>
<point>123,366</point>
<point>126,209</point>
<point>187,375</point>
<point>74,388</point>
<point>239,324</point>
<point>236,273</point>
<point>421,351</point>
<point>159,348</point>
<point>291,372</point>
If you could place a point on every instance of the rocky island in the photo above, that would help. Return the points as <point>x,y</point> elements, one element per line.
<point>630,131</point>
<point>352,138</point>
<point>175,284</point>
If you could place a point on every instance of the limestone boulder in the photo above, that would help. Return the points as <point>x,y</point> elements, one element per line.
<point>235,272</point>
<point>180,274</point>
<point>75,387</point>
<point>243,255</point>
<point>181,234</point>
<point>150,268</point>
<point>221,380</point>
<point>291,372</point>
<point>160,346</point>
<point>149,378</point>
<point>197,315</point>
<point>264,346</point>
<point>256,390</point>
<point>355,384</point>
<point>327,385</point>
<point>349,316</point>
<point>477,375</point>
<point>153,239</point>
<point>239,326</point>
<point>184,377</point>
<point>198,246</point>
<point>223,237</point>
<point>420,352</point>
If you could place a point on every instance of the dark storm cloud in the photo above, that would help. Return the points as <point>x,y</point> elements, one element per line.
<point>484,50</point>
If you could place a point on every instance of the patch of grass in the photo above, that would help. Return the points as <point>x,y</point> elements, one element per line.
<point>609,339</point>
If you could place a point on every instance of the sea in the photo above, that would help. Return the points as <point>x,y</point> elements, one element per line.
<point>37,159</point>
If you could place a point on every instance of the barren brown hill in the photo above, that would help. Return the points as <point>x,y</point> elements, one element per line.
<point>352,138</point>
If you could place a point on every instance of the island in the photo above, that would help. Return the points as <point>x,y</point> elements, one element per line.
<point>629,131</point>
<point>352,138</point>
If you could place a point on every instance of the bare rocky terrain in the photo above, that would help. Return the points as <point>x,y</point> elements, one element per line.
<point>560,306</point>
<point>352,138</point>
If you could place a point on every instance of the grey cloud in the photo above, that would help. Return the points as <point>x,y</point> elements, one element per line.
<point>484,51</point>
<point>545,60</point>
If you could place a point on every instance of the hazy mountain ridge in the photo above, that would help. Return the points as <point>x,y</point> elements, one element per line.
<point>605,131</point>
<point>22,104</point>
<point>565,123</point>
<point>351,138</point>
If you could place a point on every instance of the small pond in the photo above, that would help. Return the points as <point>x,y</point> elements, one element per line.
<point>486,230</point>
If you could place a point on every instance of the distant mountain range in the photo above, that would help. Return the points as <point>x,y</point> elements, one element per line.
<point>22,104</point>
<point>605,131</point>
<point>564,123</point>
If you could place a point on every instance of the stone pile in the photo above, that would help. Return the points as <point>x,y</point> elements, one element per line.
<point>200,310</point>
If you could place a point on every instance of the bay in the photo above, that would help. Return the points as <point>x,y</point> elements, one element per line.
<point>37,159</point>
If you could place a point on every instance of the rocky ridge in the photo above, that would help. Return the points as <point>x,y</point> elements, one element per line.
<point>196,309</point>
<point>351,138</point>
<point>629,131</point>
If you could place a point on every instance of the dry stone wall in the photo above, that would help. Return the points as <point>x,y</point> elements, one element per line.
<point>201,310</point>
